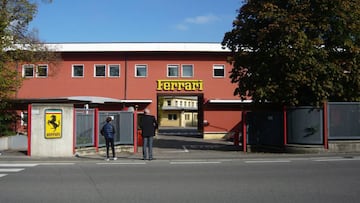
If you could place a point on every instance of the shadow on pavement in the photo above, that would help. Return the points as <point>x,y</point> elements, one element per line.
<point>193,143</point>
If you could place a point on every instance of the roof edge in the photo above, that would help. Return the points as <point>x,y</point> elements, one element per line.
<point>137,47</point>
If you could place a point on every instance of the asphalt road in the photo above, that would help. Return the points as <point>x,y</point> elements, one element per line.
<point>292,179</point>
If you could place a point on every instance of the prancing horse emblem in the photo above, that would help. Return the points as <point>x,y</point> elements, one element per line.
<point>53,122</point>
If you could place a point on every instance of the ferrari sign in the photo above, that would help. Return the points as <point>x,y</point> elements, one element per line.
<point>178,85</point>
<point>53,123</point>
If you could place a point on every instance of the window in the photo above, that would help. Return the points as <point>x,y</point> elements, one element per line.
<point>187,117</point>
<point>168,102</point>
<point>114,70</point>
<point>219,71</point>
<point>173,71</point>
<point>140,70</point>
<point>42,71</point>
<point>187,71</point>
<point>100,70</point>
<point>28,70</point>
<point>78,71</point>
<point>172,117</point>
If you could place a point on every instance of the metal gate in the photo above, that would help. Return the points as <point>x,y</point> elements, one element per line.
<point>305,125</point>
<point>123,122</point>
<point>84,127</point>
<point>344,120</point>
<point>265,128</point>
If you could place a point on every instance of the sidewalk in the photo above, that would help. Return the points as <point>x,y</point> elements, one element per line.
<point>167,147</point>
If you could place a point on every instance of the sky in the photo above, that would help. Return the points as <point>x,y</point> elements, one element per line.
<point>134,20</point>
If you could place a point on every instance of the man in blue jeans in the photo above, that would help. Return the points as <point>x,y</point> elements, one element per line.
<point>148,125</point>
<point>108,131</point>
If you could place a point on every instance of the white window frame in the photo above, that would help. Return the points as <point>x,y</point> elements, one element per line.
<point>46,68</point>
<point>83,71</point>
<point>141,66</point>
<point>218,67</point>
<point>182,70</point>
<point>96,66</point>
<point>168,70</point>
<point>109,70</point>
<point>23,115</point>
<point>26,66</point>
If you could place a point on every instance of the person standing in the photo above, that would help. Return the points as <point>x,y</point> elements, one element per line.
<point>108,131</point>
<point>148,125</point>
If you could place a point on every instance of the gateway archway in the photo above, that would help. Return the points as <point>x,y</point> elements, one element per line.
<point>180,114</point>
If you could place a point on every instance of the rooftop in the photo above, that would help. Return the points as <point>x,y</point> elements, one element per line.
<point>137,46</point>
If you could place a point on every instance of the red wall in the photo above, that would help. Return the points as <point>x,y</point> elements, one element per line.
<point>60,82</point>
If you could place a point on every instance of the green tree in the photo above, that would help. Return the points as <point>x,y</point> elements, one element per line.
<point>296,52</point>
<point>18,45</point>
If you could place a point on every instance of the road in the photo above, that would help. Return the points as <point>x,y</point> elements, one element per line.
<point>304,179</point>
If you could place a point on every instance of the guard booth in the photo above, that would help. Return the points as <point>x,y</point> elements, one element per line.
<point>50,131</point>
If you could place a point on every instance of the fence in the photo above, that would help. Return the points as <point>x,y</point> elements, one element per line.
<point>304,125</point>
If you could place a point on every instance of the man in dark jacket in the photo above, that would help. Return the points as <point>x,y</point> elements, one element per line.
<point>108,131</point>
<point>148,125</point>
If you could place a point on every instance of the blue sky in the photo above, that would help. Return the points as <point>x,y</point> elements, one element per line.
<point>135,20</point>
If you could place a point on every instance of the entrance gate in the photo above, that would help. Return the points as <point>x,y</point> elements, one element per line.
<point>85,127</point>
<point>123,122</point>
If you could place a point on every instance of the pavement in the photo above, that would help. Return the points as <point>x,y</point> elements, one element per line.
<point>175,147</point>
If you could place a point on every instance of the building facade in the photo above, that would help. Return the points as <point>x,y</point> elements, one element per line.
<point>183,84</point>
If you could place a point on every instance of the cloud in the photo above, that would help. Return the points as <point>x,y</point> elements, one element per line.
<point>205,19</point>
<point>182,27</point>
<point>198,20</point>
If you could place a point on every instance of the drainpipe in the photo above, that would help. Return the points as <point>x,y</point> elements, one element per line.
<point>126,75</point>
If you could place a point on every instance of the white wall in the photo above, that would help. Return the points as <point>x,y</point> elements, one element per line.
<point>15,142</point>
<point>4,143</point>
<point>58,147</point>
<point>18,142</point>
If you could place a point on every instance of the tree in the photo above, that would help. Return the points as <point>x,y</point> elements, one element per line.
<point>17,45</point>
<point>296,52</point>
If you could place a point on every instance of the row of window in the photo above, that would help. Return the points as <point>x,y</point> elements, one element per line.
<point>182,103</point>
<point>113,70</point>
<point>187,117</point>
<point>29,70</point>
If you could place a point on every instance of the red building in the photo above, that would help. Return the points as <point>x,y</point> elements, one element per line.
<point>116,76</point>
